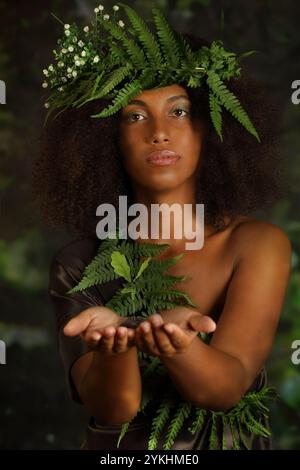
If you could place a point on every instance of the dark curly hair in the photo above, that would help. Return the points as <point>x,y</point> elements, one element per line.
<point>79,166</point>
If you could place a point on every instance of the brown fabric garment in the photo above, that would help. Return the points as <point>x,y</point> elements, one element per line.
<point>66,270</point>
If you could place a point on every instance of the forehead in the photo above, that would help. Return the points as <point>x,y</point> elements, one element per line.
<point>161,94</point>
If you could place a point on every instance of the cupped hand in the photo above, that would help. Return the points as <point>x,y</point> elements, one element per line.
<point>100,328</point>
<point>171,332</point>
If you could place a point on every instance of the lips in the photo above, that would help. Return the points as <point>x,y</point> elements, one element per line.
<point>163,157</point>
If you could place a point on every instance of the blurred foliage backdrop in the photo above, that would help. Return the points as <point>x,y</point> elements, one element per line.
<point>35,411</point>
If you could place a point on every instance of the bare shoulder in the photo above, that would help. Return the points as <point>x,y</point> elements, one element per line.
<point>251,236</point>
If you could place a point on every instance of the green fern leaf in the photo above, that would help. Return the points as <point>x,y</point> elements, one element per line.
<point>122,99</point>
<point>230,102</point>
<point>167,38</point>
<point>120,265</point>
<point>134,52</point>
<point>215,113</point>
<point>145,36</point>
<point>114,79</point>
<point>182,413</point>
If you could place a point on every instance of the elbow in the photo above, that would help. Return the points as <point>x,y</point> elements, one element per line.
<point>115,413</point>
<point>218,400</point>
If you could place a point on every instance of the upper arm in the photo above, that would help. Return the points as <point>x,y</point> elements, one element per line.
<point>255,296</point>
<point>74,352</point>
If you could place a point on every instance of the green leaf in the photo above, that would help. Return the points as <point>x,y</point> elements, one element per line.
<point>216,114</point>
<point>167,38</point>
<point>120,265</point>
<point>143,267</point>
<point>230,102</point>
<point>145,36</point>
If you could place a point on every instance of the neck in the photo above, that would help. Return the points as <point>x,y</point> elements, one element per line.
<point>176,220</point>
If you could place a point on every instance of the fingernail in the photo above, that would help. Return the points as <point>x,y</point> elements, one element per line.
<point>96,336</point>
<point>169,328</point>
<point>146,328</point>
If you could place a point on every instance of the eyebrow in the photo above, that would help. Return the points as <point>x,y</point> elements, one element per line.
<point>171,99</point>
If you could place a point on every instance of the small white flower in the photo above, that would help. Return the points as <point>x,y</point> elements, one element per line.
<point>74,73</point>
<point>106,17</point>
<point>69,70</point>
<point>67,32</point>
<point>76,57</point>
<point>96,59</point>
<point>116,8</point>
<point>69,75</point>
<point>86,29</point>
<point>47,105</point>
<point>75,39</point>
<point>80,43</point>
<point>45,72</point>
<point>71,48</point>
<point>60,64</point>
<point>101,7</point>
<point>77,63</point>
<point>83,54</point>
<point>64,80</point>
<point>64,51</point>
<point>61,88</point>
<point>121,24</point>
<point>50,68</point>
<point>82,62</point>
<point>45,85</point>
<point>96,10</point>
<point>67,26</point>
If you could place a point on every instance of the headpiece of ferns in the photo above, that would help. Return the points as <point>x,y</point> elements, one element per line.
<point>117,60</point>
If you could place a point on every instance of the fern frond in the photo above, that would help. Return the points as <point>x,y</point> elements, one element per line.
<point>216,114</point>
<point>185,51</point>
<point>182,413</point>
<point>113,80</point>
<point>134,52</point>
<point>122,99</point>
<point>213,432</point>
<point>230,102</point>
<point>168,42</point>
<point>123,431</point>
<point>105,275</point>
<point>160,421</point>
<point>145,36</point>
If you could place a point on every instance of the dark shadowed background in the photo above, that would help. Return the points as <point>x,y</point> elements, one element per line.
<point>35,410</point>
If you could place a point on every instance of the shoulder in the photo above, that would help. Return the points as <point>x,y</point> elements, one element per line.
<point>83,248</point>
<point>253,237</point>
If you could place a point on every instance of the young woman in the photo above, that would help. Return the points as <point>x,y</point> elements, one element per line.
<point>238,278</point>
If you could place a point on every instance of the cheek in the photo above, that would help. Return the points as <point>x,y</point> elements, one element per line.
<point>128,144</point>
<point>191,144</point>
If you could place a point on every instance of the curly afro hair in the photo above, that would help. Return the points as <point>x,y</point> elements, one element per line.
<point>79,166</point>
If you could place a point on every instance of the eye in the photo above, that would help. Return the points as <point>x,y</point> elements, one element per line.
<point>181,109</point>
<point>129,116</point>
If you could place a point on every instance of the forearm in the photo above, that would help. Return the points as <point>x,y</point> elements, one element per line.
<point>111,388</point>
<point>207,377</point>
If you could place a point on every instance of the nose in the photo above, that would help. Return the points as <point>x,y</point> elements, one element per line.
<point>159,135</point>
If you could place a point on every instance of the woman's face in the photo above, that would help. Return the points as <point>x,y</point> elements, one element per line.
<point>155,120</point>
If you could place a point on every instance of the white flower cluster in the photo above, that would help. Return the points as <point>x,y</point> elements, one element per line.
<point>74,54</point>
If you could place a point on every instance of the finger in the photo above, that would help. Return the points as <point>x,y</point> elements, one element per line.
<point>146,338</point>
<point>176,336</point>
<point>138,341</point>
<point>121,340</point>
<point>161,338</point>
<point>77,324</point>
<point>202,323</point>
<point>107,340</point>
<point>91,336</point>
<point>131,336</point>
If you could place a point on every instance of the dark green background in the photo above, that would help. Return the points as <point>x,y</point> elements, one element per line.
<point>35,411</point>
